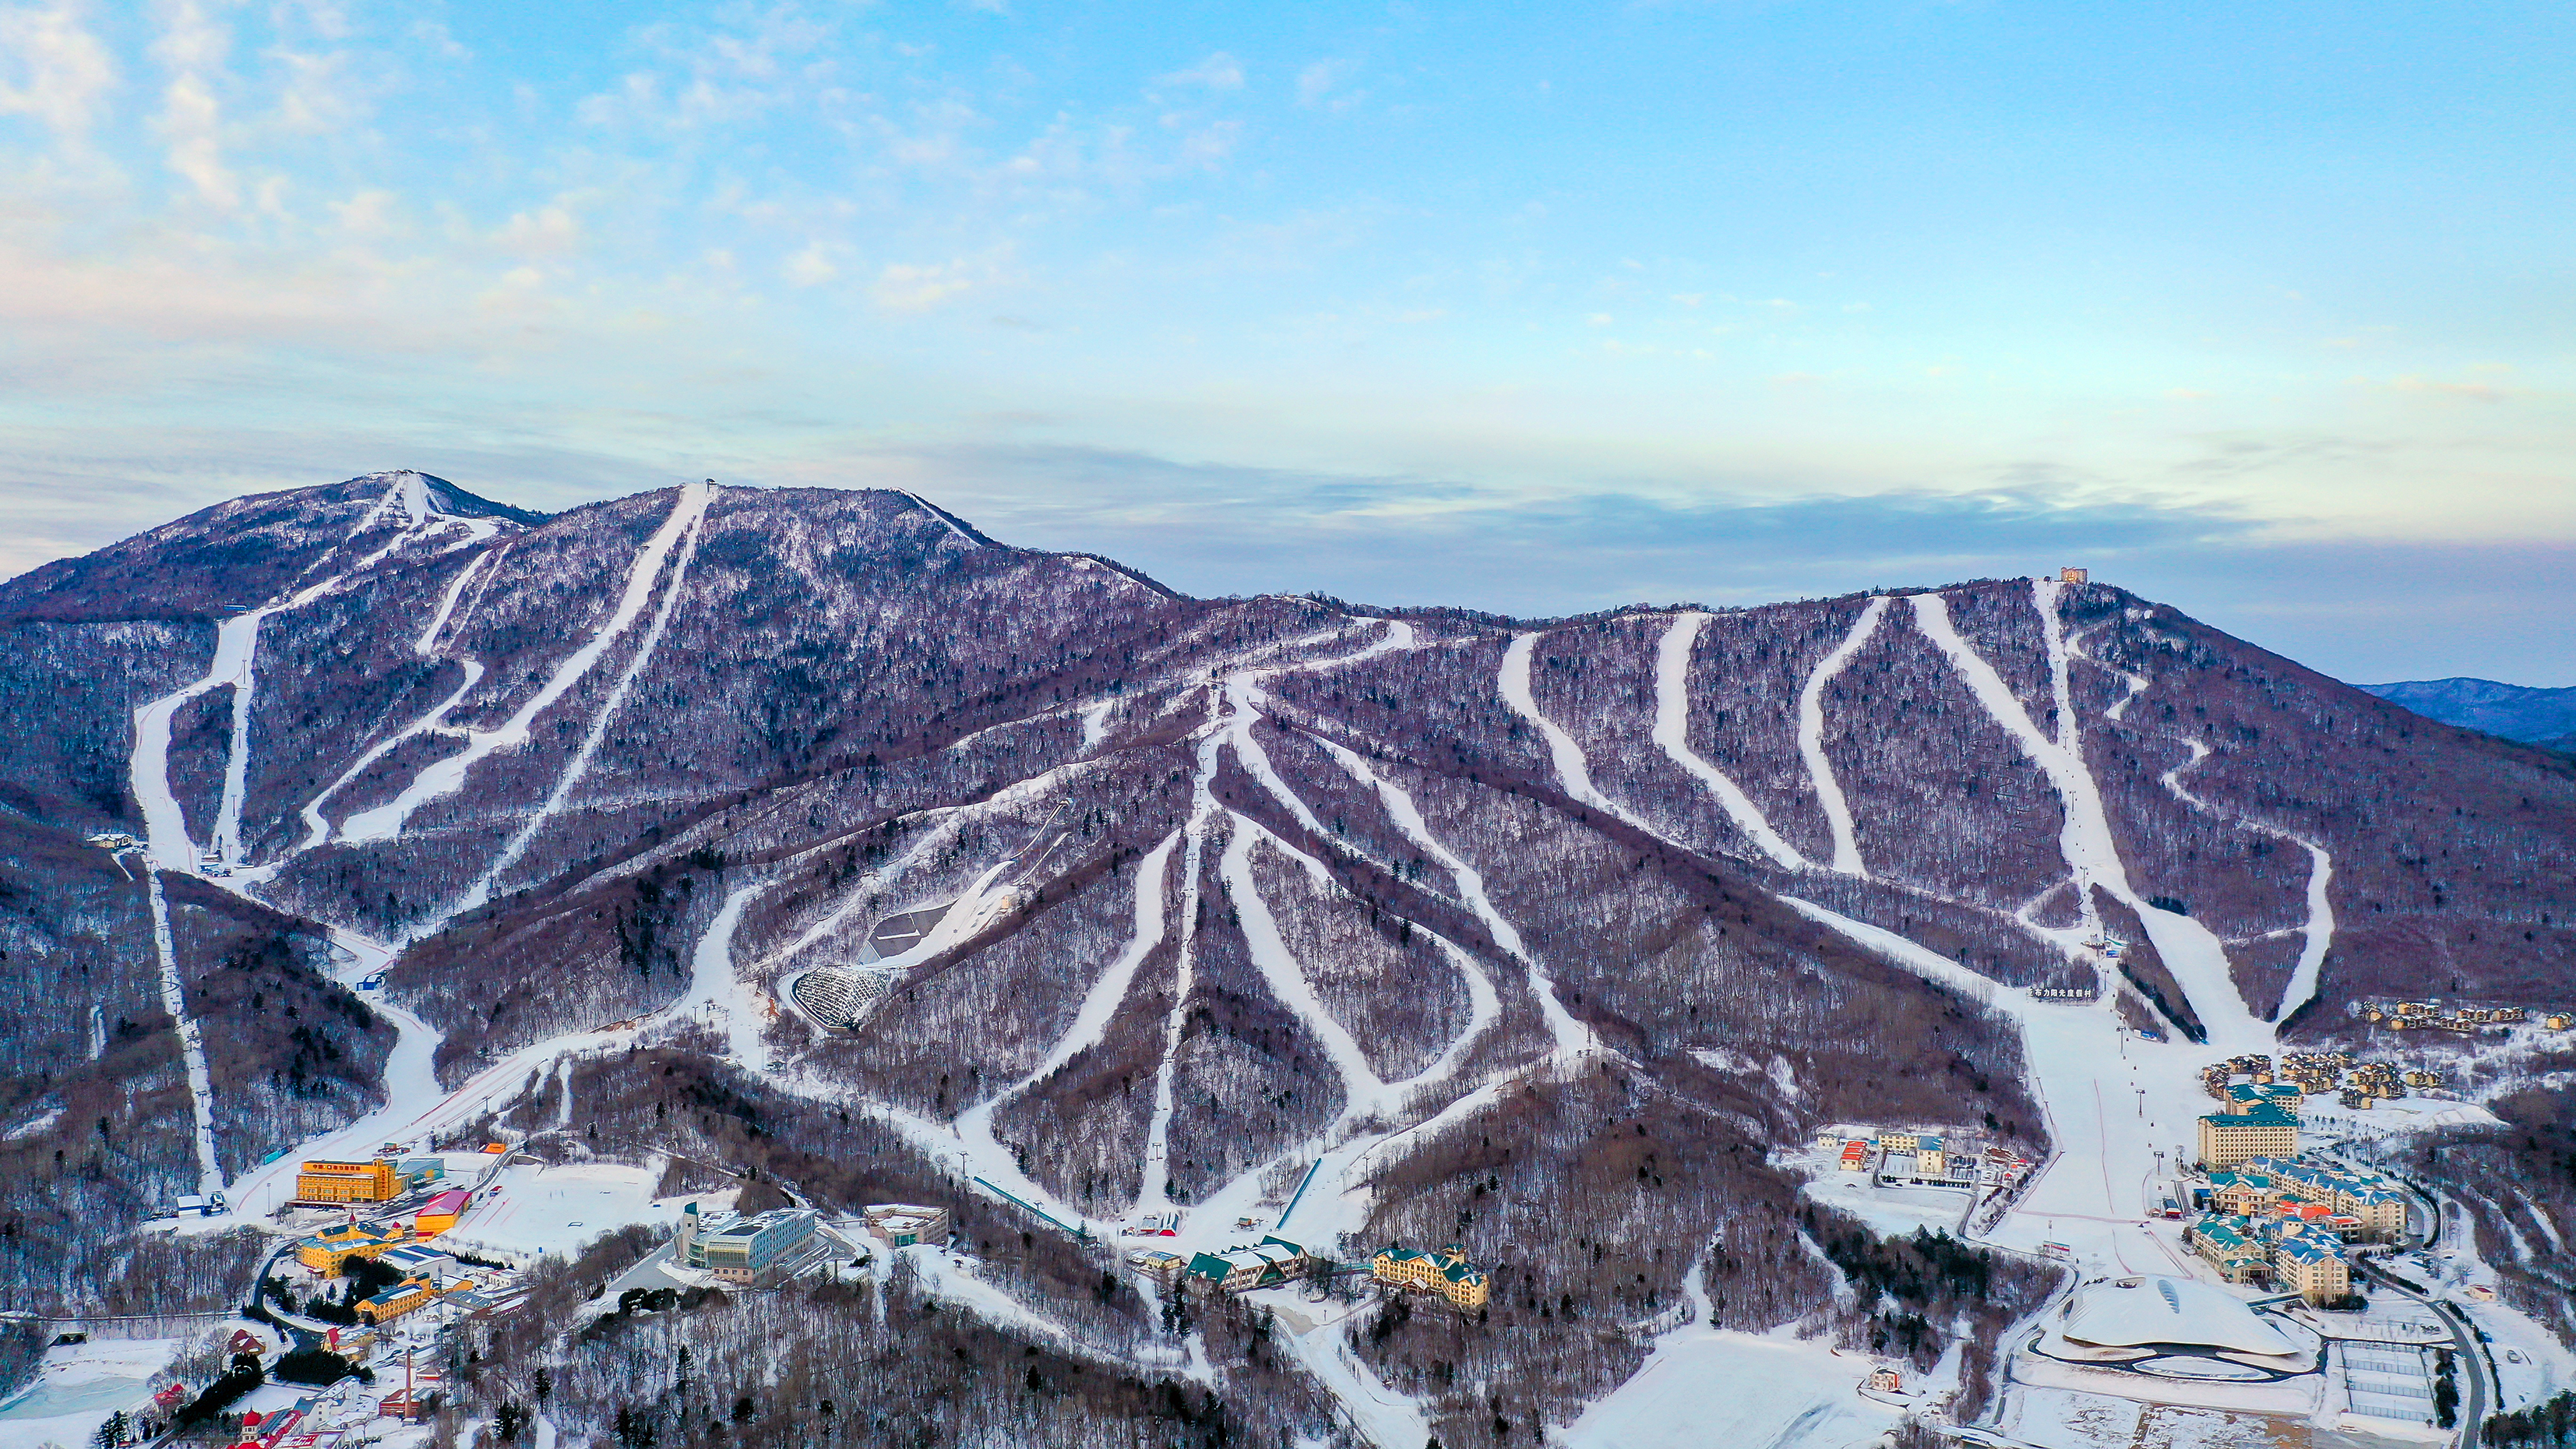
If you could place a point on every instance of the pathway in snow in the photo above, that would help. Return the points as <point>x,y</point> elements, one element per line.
<point>1099,1004</point>
<point>2317,935</point>
<point>192,1046</point>
<point>1811,738</point>
<point>1152,1188</point>
<point>2190,952</point>
<point>443,777</point>
<point>1672,732</point>
<point>1571,770</point>
<point>718,993</point>
<point>481,890</point>
<point>1571,1036</point>
<point>1382,1416</point>
<point>317,827</point>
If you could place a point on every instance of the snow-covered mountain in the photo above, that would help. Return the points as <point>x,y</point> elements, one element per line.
<point>1545,936</point>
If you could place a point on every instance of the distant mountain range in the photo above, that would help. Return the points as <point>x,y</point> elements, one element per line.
<point>2514,711</point>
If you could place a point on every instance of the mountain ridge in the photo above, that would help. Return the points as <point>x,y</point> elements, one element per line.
<point>1456,910</point>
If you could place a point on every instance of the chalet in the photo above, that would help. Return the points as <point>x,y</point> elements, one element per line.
<point>1266,1264</point>
<point>1446,1272</point>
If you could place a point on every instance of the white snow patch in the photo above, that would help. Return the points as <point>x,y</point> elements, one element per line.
<point>1811,739</point>
<point>1672,732</point>
<point>444,777</point>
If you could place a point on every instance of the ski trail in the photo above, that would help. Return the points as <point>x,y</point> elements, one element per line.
<point>2194,956</point>
<point>1562,751</point>
<point>1244,697</point>
<point>1571,1037</point>
<point>165,825</point>
<point>1095,724</point>
<point>952,819</point>
<point>2118,713</point>
<point>1672,731</point>
<point>1110,990</point>
<point>226,837</point>
<point>1364,1091</point>
<point>192,1046</point>
<point>481,890</point>
<point>1154,1184</point>
<point>1099,1004</point>
<point>717,992</point>
<point>444,777</point>
<point>1811,738</point>
<point>317,827</point>
<point>941,514</point>
<point>2317,935</point>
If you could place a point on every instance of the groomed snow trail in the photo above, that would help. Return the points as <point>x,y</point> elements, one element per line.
<point>481,890</point>
<point>317,827</point>
<point>1102,1001</point>
<point>192,1046</point>
<point>1811,738</point>
<point>2194,956</point>
<point>1153,1184</point>
<point>1571,770</point>
<point>1672,732</point>
<point>1571,1036</point>
<point>716,992</point>
<point>446,776</point>
<point>1099,1004</point>
<point>1363,1090</point>
<point>2317,936</point>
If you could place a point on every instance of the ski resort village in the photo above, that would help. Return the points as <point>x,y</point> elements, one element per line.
<point>741,967</point>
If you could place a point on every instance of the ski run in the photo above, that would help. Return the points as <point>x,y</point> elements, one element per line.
<point>2117,1106</point>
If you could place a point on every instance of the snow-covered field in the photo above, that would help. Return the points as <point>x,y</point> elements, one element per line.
<point>557,1211</point>
<point>1711,1387</point>
<point>80,1385</point>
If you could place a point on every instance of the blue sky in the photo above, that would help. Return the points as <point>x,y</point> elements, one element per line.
<point>2262,310</point>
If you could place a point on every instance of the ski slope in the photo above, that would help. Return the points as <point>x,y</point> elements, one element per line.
<point>317,827</point>
<point>2317,935</point>
<point>192,1046</point>
<point>1811,738</point>
<point>481,891</point>
<point>1672,735</point>
<point>2194,956</point>
<point>1572,771</point>
<point>444,777</point>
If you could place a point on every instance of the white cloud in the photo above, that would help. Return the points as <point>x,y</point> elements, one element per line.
<point>52,67</point>
<point>191,45</point>
<point>904,287</point>
<point>812,267</point>
<point>1218,72</point>
<point>1317,83</point>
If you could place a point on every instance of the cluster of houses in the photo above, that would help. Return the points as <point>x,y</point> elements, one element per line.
<point>2429,1015</point>
<point>1445,1272</point>
<point>1904,1157</point>
<point>2358,1085</point>
<point>2271,1214</point>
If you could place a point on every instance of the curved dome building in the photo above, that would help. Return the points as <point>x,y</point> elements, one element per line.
<point>2124,1320</point>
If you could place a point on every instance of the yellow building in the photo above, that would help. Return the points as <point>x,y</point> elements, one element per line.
<point>410,1295</point>
<point>327,1250</point>
<point>1897,1141</point>
<point>2228,1139</point>
<point>1445,1272</point>
<point>347,1182</point>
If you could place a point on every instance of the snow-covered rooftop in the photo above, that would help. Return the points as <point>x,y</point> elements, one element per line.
<point>2128,1312</point>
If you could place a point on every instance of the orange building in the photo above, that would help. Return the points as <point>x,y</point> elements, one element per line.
<point>346,1181</point>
